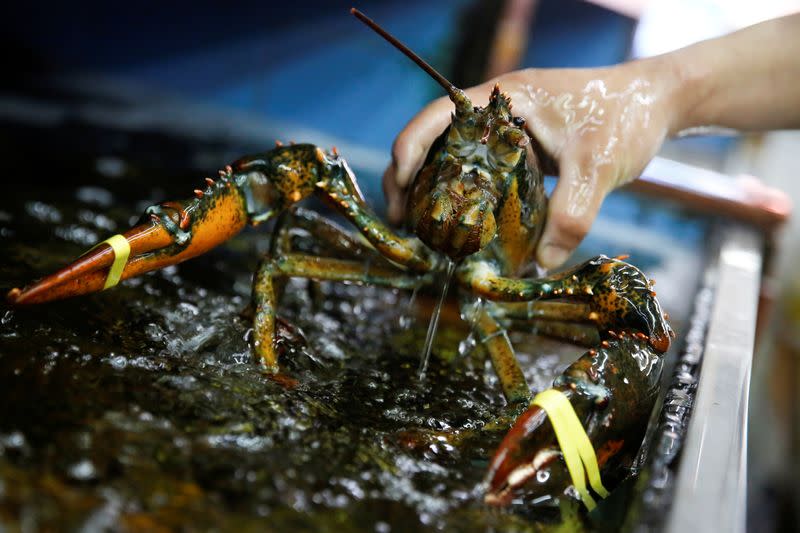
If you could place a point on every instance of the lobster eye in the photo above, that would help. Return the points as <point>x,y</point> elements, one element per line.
<point>519,122</point>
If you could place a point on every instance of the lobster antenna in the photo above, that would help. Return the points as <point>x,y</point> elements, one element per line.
<point>456,95</point>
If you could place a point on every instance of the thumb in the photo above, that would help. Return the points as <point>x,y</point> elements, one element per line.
<point>572,209</point>
<point>393,194</point>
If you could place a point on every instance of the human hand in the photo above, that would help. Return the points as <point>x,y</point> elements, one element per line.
<point>600,126</point>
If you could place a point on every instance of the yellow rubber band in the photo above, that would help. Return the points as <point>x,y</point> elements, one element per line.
<point>575,444</point>
<point>122,250</point>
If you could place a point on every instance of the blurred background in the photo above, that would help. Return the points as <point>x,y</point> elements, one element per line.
<point>252,72</point>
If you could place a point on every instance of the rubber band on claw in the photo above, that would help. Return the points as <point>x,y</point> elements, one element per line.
<point>575,445</point>
<point>122,250</point>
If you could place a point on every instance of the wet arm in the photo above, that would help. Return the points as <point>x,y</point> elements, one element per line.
<point>747,80</point>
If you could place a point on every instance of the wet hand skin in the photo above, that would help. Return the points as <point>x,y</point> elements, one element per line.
<point>602,126</point>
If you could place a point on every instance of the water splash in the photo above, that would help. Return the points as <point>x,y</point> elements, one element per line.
<point>407,317</point>
<point>467,345</point>
<point>423,366</point>
<point>469,314</point>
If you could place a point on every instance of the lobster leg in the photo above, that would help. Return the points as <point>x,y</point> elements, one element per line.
<point>169,233</point>
<point>494,337</point>
<point>617,293</point>
<point>334,240</point>
<point>338,187</point>
<point>250,191</point>
<point>567,321</point>
<point>544,310</point>
<point>318,268</point>
<point>579,334</point>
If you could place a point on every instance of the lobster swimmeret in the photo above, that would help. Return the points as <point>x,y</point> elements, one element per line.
<point>478,201</point>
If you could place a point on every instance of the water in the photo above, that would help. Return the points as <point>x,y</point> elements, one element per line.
<point>434,323</point>
<point>407,318</point>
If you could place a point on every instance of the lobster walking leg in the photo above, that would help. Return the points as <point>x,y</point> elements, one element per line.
<point>536,309</point>
<point>568,321</point>
<point>339,188</point>
<point>334,240</point>
<point>494,338</point>
<point>579,334</point>
<point>318,268</point>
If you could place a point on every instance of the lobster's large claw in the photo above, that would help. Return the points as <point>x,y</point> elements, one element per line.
<point>611,391</point>
<point>169,233</point>
<point>528,463</point>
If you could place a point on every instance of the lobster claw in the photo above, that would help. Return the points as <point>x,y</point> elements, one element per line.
<point>169,233</point>
<point>528,464</point>
<point>579,438</point>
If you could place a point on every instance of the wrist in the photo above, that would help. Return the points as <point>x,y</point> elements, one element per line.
<point>692,73</point>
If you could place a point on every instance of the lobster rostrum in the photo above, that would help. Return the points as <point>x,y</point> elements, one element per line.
<point>477,202</point>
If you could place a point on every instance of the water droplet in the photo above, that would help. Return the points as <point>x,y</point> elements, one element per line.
<point>43,212</point>
<point>119,362</point>
<point>407,317</point>
<point>13,440</point>
<point>189,309</point>
<point>155,332</point>
<point>77,234</point>
<point>467,345</point>
<point>83,470</point>
<point>112,167</point>
<point>95,195</point>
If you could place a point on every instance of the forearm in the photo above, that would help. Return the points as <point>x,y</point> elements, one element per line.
<point>747,80</point>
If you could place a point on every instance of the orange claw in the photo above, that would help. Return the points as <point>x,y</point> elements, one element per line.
<point>207,221</point>
<point>88,273</point>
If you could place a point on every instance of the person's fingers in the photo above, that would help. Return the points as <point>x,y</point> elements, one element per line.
<point>573,207</point>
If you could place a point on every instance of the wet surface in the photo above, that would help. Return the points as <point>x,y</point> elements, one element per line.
<point>141,407</point>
